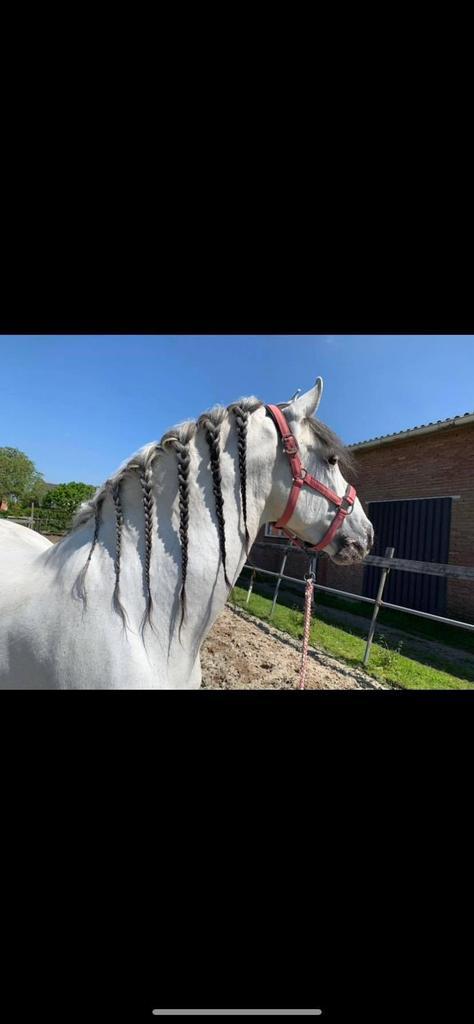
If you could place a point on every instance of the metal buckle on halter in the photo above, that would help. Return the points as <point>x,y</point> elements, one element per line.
<point>288,439</point>
<point>300,479</point>
<point>350,505</point>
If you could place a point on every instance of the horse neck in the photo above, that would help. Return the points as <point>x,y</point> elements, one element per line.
<point>206,590</point>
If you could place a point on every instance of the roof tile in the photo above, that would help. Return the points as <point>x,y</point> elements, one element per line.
<point>410,430</point>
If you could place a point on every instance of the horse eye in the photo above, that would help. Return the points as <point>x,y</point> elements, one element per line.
<point>332,459</point>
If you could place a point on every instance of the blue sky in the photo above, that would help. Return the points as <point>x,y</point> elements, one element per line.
<point>78,406</point>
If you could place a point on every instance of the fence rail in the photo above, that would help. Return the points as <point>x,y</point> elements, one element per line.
<point>51,520</point>
<point>456,572</point>
<point>386,563</point>
<point>53,525</point>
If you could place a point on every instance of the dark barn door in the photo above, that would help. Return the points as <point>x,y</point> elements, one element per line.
<point>419,530</point>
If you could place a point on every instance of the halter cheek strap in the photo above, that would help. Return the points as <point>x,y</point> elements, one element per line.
<point>301,477</point>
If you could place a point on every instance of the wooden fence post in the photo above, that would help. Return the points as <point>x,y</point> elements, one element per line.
<point>389,553</point>
<point>32,520</point>
<point>285,556</point>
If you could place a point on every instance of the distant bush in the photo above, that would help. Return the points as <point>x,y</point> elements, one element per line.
<point>68,497</point>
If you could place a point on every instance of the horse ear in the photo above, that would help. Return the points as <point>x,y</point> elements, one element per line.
<point>307,404</point>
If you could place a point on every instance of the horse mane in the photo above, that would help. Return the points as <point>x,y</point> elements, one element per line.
<point>182,433</point>
<point>140,465</point>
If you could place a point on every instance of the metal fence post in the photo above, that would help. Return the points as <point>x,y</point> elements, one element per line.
<point>389,553</point>
<point>247,599</point>
<point>285,556</point>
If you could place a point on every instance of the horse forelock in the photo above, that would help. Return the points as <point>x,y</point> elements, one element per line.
<point>332,446</point>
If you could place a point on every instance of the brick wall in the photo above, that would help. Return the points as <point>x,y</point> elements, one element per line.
<point>428,466</point>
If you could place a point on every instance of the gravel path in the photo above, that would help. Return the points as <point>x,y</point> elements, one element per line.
<point>242,653</point>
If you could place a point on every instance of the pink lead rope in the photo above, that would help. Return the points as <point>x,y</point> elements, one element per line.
<point>308,604</point>
<point>301,478</point>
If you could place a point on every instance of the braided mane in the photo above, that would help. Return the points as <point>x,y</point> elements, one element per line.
<point>178,439</point>
<point>211,422</point>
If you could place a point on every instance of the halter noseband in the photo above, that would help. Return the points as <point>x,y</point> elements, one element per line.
<point>301,476</point>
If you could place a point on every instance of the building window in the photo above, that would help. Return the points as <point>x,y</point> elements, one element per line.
<point>270,531</point>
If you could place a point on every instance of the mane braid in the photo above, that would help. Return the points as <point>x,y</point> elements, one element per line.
<point>118,546</point>
<point>241,418</point>
<point>183,460</point>
<point>79,588</point>
<point>212,430</point>
<point>146,480</point>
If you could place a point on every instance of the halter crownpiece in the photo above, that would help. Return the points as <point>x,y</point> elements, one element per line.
<point>301,476</point>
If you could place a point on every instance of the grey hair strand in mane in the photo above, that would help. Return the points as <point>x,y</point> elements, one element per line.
<point>115,490</point>
<point>179,438</point>
<point>241,413</point>
<point>146,484</point>
<point>211,423</point>
<point>79,588</point>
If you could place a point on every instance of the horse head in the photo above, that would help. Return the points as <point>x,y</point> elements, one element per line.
<point>310,493</point>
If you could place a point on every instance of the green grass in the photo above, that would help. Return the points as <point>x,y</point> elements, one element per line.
<point>424,629</point>
<point>386,663</point>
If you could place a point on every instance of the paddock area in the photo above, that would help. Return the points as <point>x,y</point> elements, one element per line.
<point>242,653</point>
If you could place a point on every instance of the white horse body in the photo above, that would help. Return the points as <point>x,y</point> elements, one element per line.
<point>49,638</point>
<point>19,544</point>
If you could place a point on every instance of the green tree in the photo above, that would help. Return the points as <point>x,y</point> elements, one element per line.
<point>36,494</point>
<point>18,474</point>
<point>68,497</point>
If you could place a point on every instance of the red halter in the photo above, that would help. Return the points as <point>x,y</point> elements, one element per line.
<point>300,477</point>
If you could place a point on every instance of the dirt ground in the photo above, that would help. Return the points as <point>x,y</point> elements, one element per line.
<point>243,653</point>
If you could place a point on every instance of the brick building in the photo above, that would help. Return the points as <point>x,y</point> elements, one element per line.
<point>417,488</point>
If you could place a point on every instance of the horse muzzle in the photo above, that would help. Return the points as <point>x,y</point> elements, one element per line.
<point>351,550</point>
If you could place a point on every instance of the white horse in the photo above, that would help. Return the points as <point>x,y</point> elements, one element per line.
<point>125,600</point>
